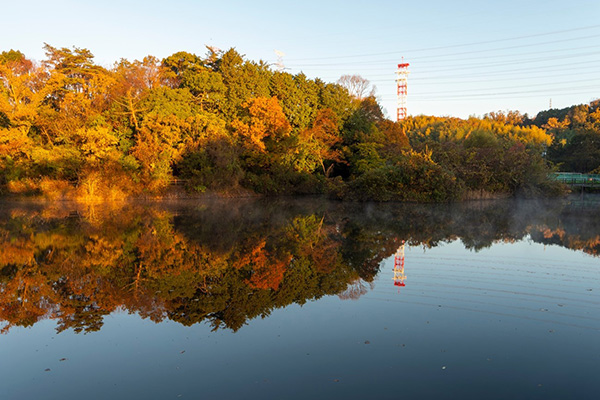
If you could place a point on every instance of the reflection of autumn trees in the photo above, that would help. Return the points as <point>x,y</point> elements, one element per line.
<point>77,270</point>
<point>577,230</point>
<point>356,289</point>
<point>315,241</point>
<point>265,269</point>
<point>229,262</point>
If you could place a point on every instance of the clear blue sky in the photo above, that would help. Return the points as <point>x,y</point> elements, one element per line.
<point>467,57</point>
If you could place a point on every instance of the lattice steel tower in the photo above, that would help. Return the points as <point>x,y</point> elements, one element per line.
<point>401,80</point>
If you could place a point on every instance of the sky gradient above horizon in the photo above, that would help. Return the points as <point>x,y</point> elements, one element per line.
<point>466,57</point>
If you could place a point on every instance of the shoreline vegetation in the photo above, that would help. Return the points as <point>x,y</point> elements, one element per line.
<point>221,125</point>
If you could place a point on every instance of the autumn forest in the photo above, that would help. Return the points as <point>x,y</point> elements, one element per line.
<point>219,123</point>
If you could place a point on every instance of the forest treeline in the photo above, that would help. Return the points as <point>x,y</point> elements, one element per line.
<point>219,122</point>
<point>235,260</point>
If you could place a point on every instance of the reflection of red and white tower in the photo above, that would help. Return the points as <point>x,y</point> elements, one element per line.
<point>401,80</point>
<point>399,276</point>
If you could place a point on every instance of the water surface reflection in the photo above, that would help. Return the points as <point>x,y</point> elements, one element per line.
<point>162,300</point>
<point>226,262</point>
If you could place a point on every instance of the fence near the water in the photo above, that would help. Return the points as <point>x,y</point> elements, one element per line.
<point>575,179</point>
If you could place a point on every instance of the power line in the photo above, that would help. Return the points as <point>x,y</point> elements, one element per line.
<point>579,89</point>
<point>493,64</point>
<point>585,89</point>
<point>502,64</point>
<point>450,46</point>
<point>455,81</point>
<point>414,59</point>
<point>522,76</point>
<point>488,65</point>
<point>553,42</point>
<point>506,87</point>
<point>554,67</point>
<point>494,97</point>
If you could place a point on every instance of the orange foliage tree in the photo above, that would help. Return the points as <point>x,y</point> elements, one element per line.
<point>264,126</point>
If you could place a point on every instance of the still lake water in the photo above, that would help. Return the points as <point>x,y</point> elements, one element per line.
<point>282,299</point>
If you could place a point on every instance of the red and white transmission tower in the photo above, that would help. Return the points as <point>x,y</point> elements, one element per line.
<point>401,80</point>
<point>399,276</point>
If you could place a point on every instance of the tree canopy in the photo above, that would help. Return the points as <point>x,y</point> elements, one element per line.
<point>219,122</point>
